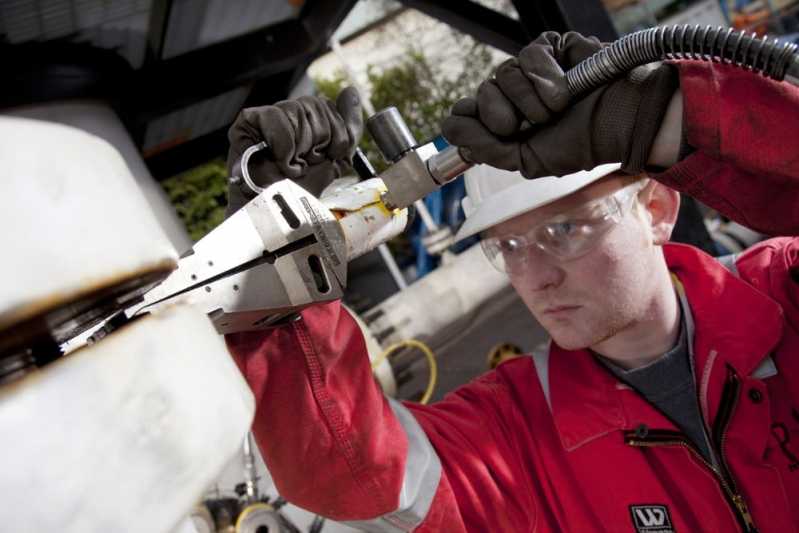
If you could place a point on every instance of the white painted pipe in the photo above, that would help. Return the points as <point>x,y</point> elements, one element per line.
<point>445,304</point>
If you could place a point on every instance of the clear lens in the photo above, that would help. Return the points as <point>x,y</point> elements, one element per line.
<point>492,248</point>
<point>566,236</point>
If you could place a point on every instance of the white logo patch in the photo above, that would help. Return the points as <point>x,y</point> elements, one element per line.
<point>651,519</point>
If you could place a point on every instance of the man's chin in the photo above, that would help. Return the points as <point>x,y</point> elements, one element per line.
<point>571,342</point>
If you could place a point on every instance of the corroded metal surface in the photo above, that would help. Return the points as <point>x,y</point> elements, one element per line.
<point>81,241</point>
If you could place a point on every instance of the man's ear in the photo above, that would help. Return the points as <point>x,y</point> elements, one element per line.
<point>662,205</point>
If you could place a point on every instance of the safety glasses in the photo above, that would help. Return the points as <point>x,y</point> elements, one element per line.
<point>566,236</point>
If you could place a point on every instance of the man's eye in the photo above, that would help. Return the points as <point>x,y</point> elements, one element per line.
<point>508,245</point>
<point>560,229</point>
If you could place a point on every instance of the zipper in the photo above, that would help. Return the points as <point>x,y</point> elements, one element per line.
<point>655,438</point>
<point>659,438</point>
<point>727,405</point>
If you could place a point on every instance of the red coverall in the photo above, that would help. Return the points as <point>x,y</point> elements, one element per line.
<point>500,454</point>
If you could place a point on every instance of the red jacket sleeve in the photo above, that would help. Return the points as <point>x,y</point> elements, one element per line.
<point>335,447</point>
<point>327,435</point>
<point>473,429</point>
<point>745,129</point>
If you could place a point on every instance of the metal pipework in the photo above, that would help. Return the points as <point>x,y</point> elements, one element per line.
<point>250,476</point>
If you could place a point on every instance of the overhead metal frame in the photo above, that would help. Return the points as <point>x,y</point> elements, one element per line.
<point>267,61</point>
<point>511,35</point>
<point>270,61</point>
<point>482,23</point>
<point>156,34</point>
<point>588,17</point>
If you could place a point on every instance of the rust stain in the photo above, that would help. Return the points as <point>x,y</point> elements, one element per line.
<point>53,301</point>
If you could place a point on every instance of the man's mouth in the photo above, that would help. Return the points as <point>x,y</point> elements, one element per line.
<point>560,310</point>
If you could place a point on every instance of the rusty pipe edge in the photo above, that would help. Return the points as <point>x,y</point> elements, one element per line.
<point>363,216</point>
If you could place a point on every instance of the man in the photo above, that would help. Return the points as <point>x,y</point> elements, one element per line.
<point>669,400</point>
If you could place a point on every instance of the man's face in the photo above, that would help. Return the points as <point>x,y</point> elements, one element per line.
<point>584,301</point>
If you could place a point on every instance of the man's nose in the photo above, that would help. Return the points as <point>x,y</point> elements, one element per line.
<point>544,271</point>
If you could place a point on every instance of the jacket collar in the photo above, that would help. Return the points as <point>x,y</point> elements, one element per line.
<point>587,399</point>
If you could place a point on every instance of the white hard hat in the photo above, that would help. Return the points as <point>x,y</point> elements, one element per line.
<point>494,196</point>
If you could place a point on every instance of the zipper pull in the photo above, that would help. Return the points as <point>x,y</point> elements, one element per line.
<point>744,510</point>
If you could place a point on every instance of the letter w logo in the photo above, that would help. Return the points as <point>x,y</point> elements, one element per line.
<point>651,518</point>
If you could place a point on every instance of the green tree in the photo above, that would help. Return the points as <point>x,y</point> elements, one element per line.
<point>423,95</point>
<point>200,197</point>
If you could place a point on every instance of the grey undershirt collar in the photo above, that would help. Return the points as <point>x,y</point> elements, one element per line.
<point>668,384</point>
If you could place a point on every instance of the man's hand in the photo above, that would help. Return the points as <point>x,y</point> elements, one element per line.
<point>309,140</point>
<point>525,119</point>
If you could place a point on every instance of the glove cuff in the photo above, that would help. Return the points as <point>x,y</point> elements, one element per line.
<point>656,92</point>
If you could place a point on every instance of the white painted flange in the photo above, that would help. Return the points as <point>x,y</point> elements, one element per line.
<point>124,435</point>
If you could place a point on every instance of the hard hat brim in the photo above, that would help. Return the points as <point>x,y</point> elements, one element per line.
<point>526,196</point>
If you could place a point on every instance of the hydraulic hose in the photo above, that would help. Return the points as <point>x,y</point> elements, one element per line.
<point>771,58</point>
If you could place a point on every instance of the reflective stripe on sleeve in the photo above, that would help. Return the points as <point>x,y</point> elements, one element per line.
<point>419,485</point>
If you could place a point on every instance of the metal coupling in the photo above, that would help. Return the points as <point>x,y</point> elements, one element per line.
<point>447,165</point>
<point>390,133</point>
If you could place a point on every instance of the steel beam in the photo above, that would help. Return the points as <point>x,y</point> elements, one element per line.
<point>588,17</point>
<point>482,23</point>
<point>188,155</point>
<point>156,32</point>
<point>215,144</point>
<point>191,77</point>
<point>510,35</point>
<point>264,59</point>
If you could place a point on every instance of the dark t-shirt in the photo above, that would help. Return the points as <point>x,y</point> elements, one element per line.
<point>668,383</point>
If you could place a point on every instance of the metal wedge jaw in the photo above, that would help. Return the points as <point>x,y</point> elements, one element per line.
<point>280,252</point>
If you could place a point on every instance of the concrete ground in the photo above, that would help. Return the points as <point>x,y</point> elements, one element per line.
<point>467,357</point>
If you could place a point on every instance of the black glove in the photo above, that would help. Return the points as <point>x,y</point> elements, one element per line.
<point>310,140</point>
<point>617,122</point>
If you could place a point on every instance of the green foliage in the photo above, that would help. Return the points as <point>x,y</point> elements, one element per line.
<point>422,94</point>
<point>199,196</point>
<point>330,87</point>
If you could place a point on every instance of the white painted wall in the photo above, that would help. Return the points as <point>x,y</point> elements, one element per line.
<point>386,46</point>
